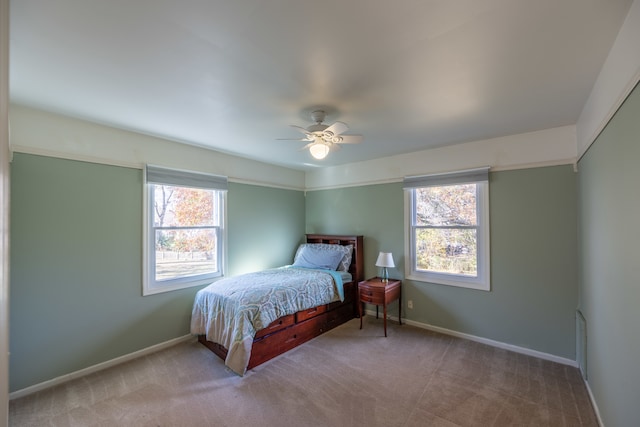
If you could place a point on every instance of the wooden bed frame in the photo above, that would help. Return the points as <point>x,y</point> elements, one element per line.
<point>290,331</point>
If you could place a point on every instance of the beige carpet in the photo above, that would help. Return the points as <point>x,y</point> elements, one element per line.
<point>348,377</point>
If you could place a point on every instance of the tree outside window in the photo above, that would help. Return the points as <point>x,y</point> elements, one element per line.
<point>185,232</point>
<point>446,229</point>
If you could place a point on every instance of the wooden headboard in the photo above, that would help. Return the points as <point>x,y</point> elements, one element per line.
<point>357,262</point>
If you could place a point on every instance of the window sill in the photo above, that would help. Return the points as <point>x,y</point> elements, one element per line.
<point>159,289</point>
<point>440,280</point>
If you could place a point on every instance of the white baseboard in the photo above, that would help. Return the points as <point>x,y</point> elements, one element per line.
<point>594,404</point>
<point>493,343</point>
<point>99,367</point>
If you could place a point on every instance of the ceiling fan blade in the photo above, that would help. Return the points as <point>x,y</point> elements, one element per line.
<point>291,139</point>
<point>300,129</point>
<point>350,139</point>
<point>337,128</point>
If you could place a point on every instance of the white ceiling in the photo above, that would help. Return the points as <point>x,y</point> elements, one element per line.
<point>232,75</point>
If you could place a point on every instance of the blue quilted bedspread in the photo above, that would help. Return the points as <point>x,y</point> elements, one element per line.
<point>230,311</point>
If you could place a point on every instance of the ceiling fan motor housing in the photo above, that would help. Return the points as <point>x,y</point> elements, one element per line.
<point>318,116</point>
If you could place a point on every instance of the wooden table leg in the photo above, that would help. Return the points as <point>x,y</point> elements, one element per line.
<point>360,312</point>
<point>385,319</point>
<point>400,307</point>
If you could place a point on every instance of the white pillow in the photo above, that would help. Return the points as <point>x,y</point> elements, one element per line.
<point>312,257</point>
<point>346,251</point>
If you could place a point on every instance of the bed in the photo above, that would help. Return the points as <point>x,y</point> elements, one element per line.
<point>249,319</point>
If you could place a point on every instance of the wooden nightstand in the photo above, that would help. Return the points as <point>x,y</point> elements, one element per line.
<point>375,291</point>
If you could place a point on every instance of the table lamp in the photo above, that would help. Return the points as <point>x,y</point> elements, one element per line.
<point>385,260</point>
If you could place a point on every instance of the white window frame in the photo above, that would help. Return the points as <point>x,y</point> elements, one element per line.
<point>154,175</point>
<point>482,281</point>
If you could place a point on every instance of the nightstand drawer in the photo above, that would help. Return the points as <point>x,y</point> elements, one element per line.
<point>371,297</point>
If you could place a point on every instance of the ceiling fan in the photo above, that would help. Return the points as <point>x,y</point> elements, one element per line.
<point>324,138</point>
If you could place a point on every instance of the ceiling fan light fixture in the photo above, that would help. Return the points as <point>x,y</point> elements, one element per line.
<point>321,138</point>
<point>319,150</point>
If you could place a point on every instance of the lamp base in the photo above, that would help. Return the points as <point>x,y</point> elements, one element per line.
<point>385,275</point>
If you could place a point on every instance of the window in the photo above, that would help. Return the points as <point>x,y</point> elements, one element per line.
<point>184,238</point>
<point>447,229</point>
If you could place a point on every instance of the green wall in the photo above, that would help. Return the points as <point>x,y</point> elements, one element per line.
<point>374,211</point>
<point>534,284</point>
<point>609,206</point>
<point>76,263</point>
<point>265,226</point>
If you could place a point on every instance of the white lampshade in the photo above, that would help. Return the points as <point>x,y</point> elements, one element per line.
<point>385,259</point>
<point>319,150</point>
